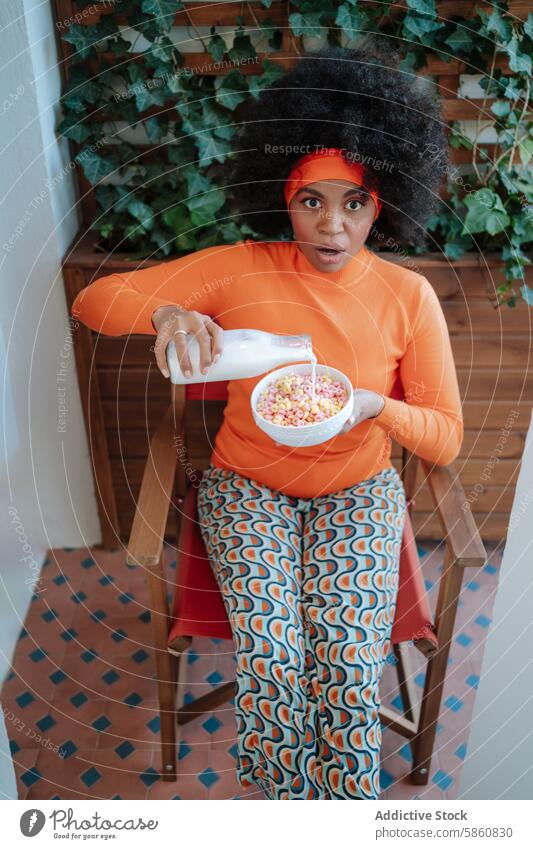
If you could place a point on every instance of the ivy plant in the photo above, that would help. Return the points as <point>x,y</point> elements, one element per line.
<point>162,194</point>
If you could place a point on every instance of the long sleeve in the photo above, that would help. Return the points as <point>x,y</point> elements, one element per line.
<point>123,303</point>
<point>429,421</point>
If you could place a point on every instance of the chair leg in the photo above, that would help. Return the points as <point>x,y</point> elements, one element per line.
<point>405,681</point>
<point>166,671</point>
<point>424,741</point>
<point>206,703</point>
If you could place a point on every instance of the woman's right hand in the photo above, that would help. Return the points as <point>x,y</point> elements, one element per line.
<point>168,319</point>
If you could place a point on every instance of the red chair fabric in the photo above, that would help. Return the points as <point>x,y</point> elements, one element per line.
<point>198,607</point>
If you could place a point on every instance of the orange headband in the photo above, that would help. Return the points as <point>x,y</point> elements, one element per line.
<point>324,165</point>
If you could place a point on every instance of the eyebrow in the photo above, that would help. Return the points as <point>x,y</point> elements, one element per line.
<point>358,191</point>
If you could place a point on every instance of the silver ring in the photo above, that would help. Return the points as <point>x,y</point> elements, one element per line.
<point>181,331</point>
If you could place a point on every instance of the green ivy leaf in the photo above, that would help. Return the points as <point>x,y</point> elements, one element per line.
<point>528,25</point>
<point>500,108</point>
<point>73,127</point>
<point>486,213</point>
<point>306,23</point>
<point>156,128</point>
<point>162,50</point>
<point>231,89</point>
<point>257,82</point>
<point>142,212</point>
<point>351,19</point>
<point>518,62</point>
<point>217,47</point>
<point>203,208</point>
<point>147,93</point>
<point>242,48</point>
<point>83,38</point>
<point>94,167</point>
<point>164,11</point>
<point>460,40</point>
<point>419,27</point>
<point>497,25</point>
<point>527,294</point>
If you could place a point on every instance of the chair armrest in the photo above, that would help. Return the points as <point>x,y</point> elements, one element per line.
<point>148,530</point>
<point>458,525</point>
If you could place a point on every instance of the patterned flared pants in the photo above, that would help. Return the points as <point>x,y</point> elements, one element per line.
<point>309,586</point>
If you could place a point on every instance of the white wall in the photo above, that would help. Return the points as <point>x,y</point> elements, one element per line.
<point>499,761</point>
<point>46,490</point>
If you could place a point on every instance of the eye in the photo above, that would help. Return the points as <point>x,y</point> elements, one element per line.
<point>305,200</point>
<point>360,204</point>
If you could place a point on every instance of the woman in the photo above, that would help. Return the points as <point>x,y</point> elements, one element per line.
<point>305,543</point>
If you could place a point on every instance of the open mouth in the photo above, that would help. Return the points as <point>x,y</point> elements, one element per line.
<point>330,253</point>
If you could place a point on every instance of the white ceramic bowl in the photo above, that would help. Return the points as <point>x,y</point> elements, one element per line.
<point>310,434</point>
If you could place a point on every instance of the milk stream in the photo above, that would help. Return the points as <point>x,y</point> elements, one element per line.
<point>313,361</point>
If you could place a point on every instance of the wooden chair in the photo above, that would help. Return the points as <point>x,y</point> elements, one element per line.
<point>165,484</point>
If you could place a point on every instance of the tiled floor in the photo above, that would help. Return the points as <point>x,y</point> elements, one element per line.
<point>80,703</point>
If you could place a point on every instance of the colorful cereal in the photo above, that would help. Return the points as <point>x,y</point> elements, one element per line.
<point>289,400</point>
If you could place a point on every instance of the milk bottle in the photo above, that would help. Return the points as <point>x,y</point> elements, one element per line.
<point>246,353</point>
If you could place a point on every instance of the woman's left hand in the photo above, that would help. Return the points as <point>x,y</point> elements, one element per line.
<point>366,405</point>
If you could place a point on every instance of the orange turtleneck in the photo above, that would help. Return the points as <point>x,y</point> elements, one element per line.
<point>368,319</point>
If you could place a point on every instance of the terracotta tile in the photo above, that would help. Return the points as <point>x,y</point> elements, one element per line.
<point>106,775</point>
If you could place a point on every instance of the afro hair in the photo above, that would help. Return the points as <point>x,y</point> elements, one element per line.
<point>359,100</point>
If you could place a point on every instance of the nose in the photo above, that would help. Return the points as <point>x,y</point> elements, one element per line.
<point>331,221</point>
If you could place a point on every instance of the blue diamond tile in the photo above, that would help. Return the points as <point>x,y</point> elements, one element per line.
<point>87,563</point>
<point>30,777</point>
<point>484,621</point>
<point>68,748</point>
<point>125,598</point>
<point>208,777</point>
<point>405,753</point>
<point>13,747</point>
<point>101,723</point>
<point>45,722</point>
<point>110,677</point>
<point>49,615</point>
<point>90,776</point>
<point>421,551</point>
<point>442,779</point>
<point>98,615</point>
<point>57,677</point>
<point>172,564</point>
<point>473,586</point>
<point>77,598</point>
<point>192,657</point>
<point>489,569</point>
<point>234,751</point>
<point>124,749</point>
<point>454,703</point>
<point>419,680</point>
<point>24,699</point>
<point>214,678</point>
<point>211,725</point>
<point>472,681</point>
<point>37,655</point>
<point>183,750</point>
<point>439,728</point>
<point>154,725</point>
<point>140,656</point>
<point>428,584</point>
<point>118,635</point>
<point>461,751</point>
<point>463,639</point>
<point>216,640</point>
<point>397,703</point>
<point>107,579</point>
<point>79,699</point>
<point>69,635</point>
<point>145,617</point>
<point>385,778</point>
<point>89,655</point>
<point>149,776</point>
<point>60,579</point>
<point>133,699</point>
<point>188,698</point>
<point>23,633</point>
